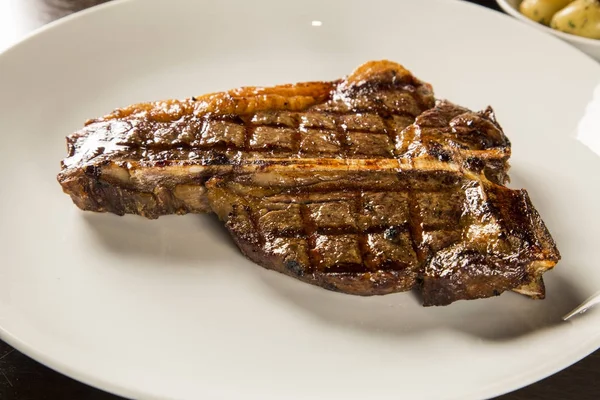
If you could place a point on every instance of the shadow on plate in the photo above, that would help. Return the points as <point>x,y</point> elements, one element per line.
<point>203,237</point>
<point>190,239</point>
<point>502,318</point>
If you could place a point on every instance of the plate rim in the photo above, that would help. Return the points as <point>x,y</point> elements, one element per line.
<point>60,21</point>
<point>491,391</point>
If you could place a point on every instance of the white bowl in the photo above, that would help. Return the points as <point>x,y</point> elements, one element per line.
<point>588,46</point>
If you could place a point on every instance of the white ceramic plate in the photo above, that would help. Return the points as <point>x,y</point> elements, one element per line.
<point>170,309</point>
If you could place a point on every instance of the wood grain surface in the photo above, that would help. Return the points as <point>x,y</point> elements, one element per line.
<point>22,378</point>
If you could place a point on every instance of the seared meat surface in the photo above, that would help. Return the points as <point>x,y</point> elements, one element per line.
<point>153,159</point>
<point>424,224</point>
<point>365,185</point>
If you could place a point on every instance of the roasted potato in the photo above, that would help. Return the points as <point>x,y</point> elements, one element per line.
<point>581,17</point>
<point>542,11</point>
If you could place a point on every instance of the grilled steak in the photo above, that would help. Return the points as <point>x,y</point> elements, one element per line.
<point>153,159</point>
<point>369,229</point>
<point>365,185</point>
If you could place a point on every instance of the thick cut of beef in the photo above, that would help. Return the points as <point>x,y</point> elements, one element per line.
<point>370,229</point>
<point>153,159</point>
<point>364,185</point>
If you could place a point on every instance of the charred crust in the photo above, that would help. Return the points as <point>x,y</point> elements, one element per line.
<point>391,233</point>
<point>474,164</point>
<point>214,158</point>
<point>330,286</point>
<point>294,267</point>
<point>93,171</point>
<point>437,151</point>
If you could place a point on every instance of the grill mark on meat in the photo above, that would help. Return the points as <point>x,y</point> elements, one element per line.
<point>262,239</point>
<point>296,135</point>
<point>335,231</point>
<point>382,229</point>
<point>248,133</point>
<point>416,226</point>
<point>362,238</point>
<point>313,189</point>
<point>340,133</point>
<point>381,111</point>
<point>310,233</point>
<point>388,129</point>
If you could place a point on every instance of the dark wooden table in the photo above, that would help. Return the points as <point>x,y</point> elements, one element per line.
<point>22,378</point>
